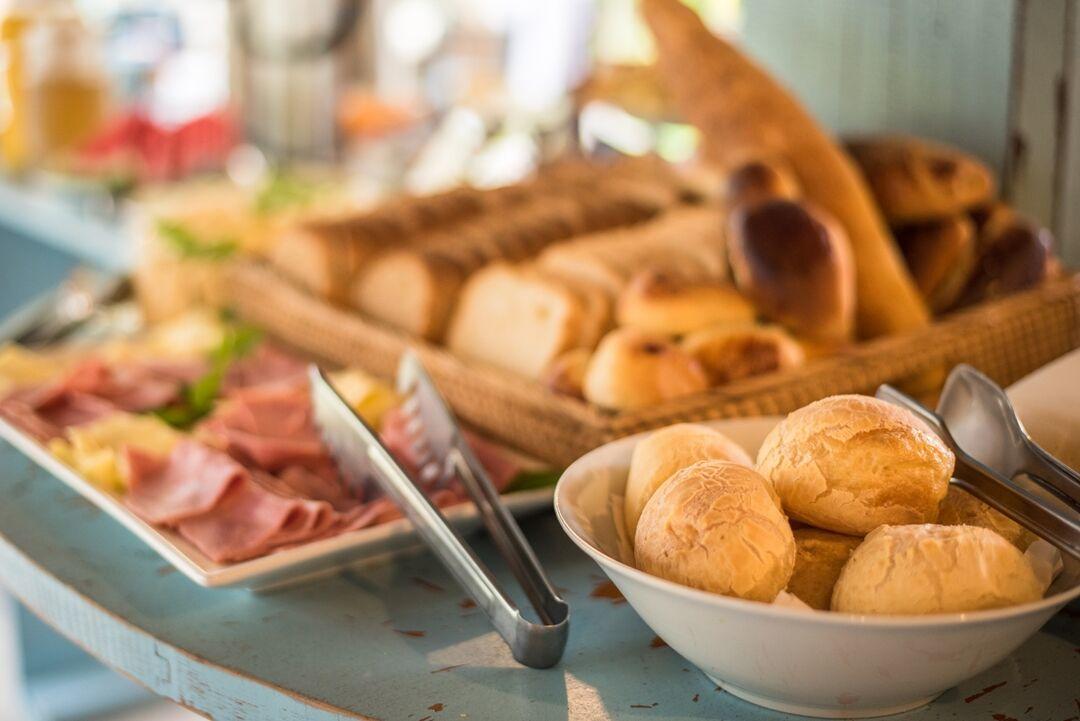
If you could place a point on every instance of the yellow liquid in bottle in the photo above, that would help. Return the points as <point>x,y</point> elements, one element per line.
<point>14,131</point>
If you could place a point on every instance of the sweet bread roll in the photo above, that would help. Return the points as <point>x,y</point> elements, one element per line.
<point>917,180</point>
<point>941,258</point>
<point>960,508</point>
<point>632,369</point>
<point>819,558</point>
<point>728,353</point>
<point>920,569</point>
<point>668,450</point>
<point>717,526</point>
<point>658,303</point>
<point>852,463</point>
<point>793,261</point>
<point>758,180</point>
<point>1014,254</point>
<point>566,374</point>
<point>743,112</point>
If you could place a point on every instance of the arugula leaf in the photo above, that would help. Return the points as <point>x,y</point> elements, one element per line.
<point>198,398</point>
<point>283,191</point>
<point>533,479</point>
<point>188,245</point>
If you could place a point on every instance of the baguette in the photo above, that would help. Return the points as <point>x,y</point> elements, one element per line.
<point>743,113</point>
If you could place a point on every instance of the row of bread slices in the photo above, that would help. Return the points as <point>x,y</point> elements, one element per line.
<point>877,527</point>
<point>672,306</point>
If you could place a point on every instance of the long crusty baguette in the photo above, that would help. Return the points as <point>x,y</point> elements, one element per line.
<point>744,113</point>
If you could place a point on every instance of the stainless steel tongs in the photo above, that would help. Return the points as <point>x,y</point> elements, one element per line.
<point>444,453</point>
<point>1058,523</point>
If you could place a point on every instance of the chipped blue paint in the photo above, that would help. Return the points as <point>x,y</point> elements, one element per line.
<point>338,648</point>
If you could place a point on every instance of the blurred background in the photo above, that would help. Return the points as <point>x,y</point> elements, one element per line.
<point>264,105</point>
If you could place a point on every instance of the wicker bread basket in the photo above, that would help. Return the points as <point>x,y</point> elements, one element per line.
<point>1006,339</point>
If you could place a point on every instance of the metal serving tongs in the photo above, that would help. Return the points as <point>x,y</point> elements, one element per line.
<point>443,453</point>
<point>983,421</point>
<point>1059,526</point>
<point>60,312</point>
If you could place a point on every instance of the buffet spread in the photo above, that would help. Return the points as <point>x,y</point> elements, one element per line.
<point>597,299</point>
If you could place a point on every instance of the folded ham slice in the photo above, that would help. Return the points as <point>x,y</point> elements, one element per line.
<point>189,482</point>
<point>265,366</point>
<point>43,412</point>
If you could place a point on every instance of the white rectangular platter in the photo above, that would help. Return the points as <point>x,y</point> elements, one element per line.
<point>276,569</point>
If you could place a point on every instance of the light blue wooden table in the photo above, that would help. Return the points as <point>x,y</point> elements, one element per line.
<point>397,640</point>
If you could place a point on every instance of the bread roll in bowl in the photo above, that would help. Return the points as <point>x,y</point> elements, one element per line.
<point>757,180</point>
<point>728,353</point>
<point>819,558</point>
<point>659,303</point>
<point>631,369</point>
<point>852,463</point>
<point>927,568</point>
<point>668,450</point>
<point>960,508</point>
<point>717,526</point>
<point>793,261</point>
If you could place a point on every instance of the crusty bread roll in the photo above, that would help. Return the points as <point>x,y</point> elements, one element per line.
<point>917,180</point>
<point>941,258</point>
<point>758,180</point>
<point>852,463</point>
<point>668,450</point>
<point>960,508</point>
<point>658,303</point>
<point>516,319</point>
<point>819,558</point>
<point>743,112</point>
<point>1014,254</point>
<point>920,569</point>
<point>794,262</point>
<point>717,526</point>
<point>566,374</point>
<point>632,369</point>
<point>728,353</point>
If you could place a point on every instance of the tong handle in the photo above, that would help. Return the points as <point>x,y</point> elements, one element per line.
<point>994,489</point>
<point>508,537</point>
<point>1052,472</point>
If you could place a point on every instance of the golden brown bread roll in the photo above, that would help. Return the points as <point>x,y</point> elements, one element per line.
<point>917,180</point>
<point>668,450</point>
<point>941,258</point>
<point>1014,254</point>
<point>960,508</point>
<point>758,180</point>
<point>920,569</point>
<point>659,303</point>
<point>819,558</point>
<point>566,374</point>
<point>632,369</point>
<point>794,263</point>
<point>717,526</point>
<point>743,112</point>
<point>852,463</point>
<point>728,353</point>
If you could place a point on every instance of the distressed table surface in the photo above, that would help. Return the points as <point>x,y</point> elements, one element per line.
<point>398,641</point>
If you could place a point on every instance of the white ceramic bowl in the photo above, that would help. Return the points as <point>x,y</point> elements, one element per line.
<point>805,662</point>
